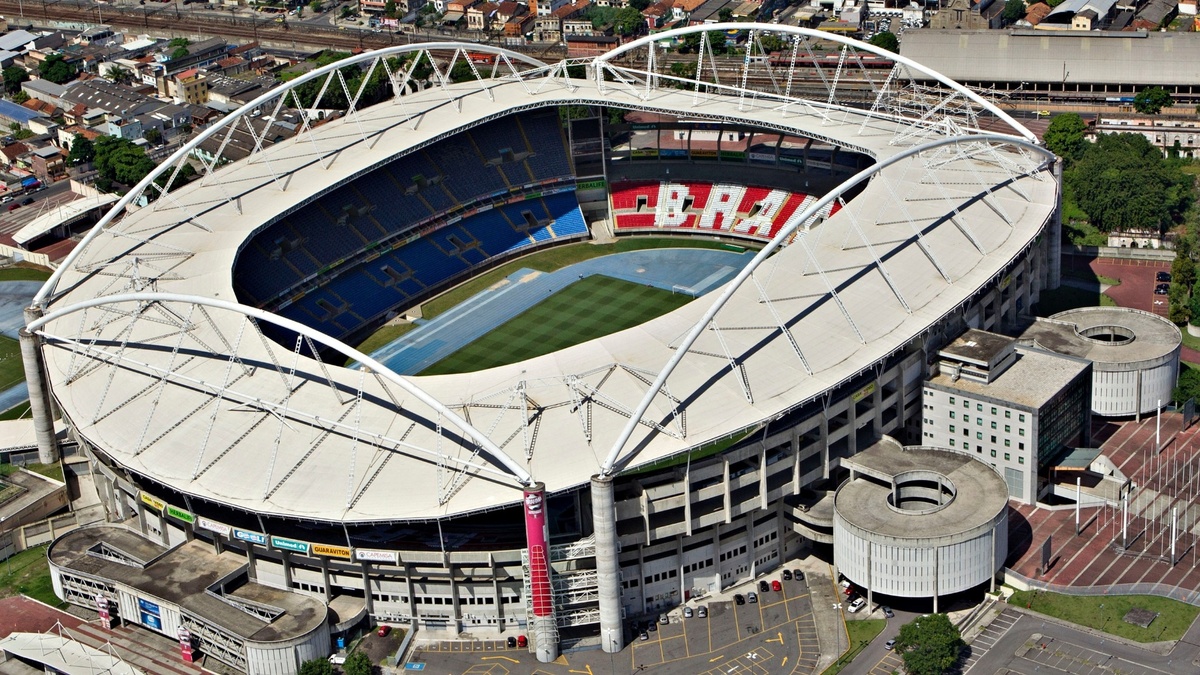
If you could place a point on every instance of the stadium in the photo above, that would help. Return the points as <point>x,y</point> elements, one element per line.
<point>198,342</point>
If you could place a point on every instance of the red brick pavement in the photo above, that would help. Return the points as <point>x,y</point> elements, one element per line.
<point>23,615</point>
<point>1093,559</point>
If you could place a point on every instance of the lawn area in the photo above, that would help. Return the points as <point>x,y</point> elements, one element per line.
<point>1104,613</point>
<point>861,633</point>
<point>587,309</point>
<point>23,273</point>
<point>384,336</point>
<point>12,371</point>
<point>1069,297</point>
<point>49,470</point>
<point>16,412</point>
<point>28,573</point>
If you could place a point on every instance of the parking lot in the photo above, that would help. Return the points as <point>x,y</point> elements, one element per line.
<point>775,636</point>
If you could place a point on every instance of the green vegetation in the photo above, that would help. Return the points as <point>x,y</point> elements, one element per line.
<point>55,69</point>
<point>16,412</point>
<point>1064,136</point>
<point>384,336</point>
<point>1151,101</point>
<point>586,309</point>
<point>12,371</point>
<point>1014,11</point>
<point>1068,297</point>
<point>548,260</point>
<point>1122,183</point>
<point>28,573</point>
<point>316,667</point>
<point>1105,613</point>
<point>24,273</point>
<point>861,633</point>
<point>1088,275</point>
<point>886,40</point>
<point>48,470</point>
<point>357,663</point>
<point>929,645</point>
<point>1189,380</point>
<point>13,77</point>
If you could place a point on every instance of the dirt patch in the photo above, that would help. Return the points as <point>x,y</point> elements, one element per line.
<point>380,648</point>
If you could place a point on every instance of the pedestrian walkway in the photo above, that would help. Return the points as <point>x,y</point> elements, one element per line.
<point>995,630</point>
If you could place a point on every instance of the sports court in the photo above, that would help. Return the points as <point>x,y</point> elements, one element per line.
<point>686,272</point>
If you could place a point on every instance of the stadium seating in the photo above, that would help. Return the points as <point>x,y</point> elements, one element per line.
<point>373,288</point>
<point>748,211</point>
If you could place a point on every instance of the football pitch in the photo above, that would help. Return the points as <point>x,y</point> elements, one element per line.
<point>589,308</point>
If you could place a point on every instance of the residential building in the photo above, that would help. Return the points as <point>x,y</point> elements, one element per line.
<point>1019,409</point>
<point>45,90</point>
<point>190,86</point>
<point>966,14</point>
<point>48,163</point>
<point>11,154</point>
<point>1168,135</point>
<point>546,7</point>
<point>12,113</point>
<point>480,16</point>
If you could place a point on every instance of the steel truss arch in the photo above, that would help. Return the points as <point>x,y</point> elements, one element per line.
<point>613,460</point>
<point>503,461</point>
<point>606,59</point>
<point>229,123</point>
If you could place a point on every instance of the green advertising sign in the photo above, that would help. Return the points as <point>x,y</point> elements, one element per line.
<point>591,185</point>
<point>290,545</point>
<point>180,514</point>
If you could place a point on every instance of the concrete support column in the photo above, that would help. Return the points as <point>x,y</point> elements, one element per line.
<point>824,443</point>
<point>251,562</point>
<point>367,597</point>
<point>455,604</point>
<point>1054,236</point>
<point>325,578</point>
<point>285,559</point>
<point>608,569</point>
<point>411,590</point>
<point>877,408</point>
<point>39,398</point>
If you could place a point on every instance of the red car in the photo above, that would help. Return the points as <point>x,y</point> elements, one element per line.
<point>384,629</point>
<point>522,641</point>
<point>775,585</point>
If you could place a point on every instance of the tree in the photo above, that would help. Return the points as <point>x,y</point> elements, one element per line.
<point>119,160</point>
<point>20,97</point>
<point>82,150</point>
<point>1183,268</point>
<point>886,40</point>
<point>357,664</point>
<point>724,14</point>
<point>13,77</point>
<point>1122,183</point>
<point>1151,101</point>
<point>628,21</point>
<point>120,75</point>
<point>316,667</point>
<point>1189,381</point>
<point>315,6</point>
<point>179,42</point>
<point>639,5</point>
<point>55,69</point>
<point>179,53</point>
<point>929,645</point>
<point>1014,11</point>
<point>1064,136</point>
<point>153,136</point>
<point>389,9</point>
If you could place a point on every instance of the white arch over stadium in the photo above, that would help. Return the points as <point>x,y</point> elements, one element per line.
<point>511,469</point>
<point>537,86</point>
<point>731,288</point>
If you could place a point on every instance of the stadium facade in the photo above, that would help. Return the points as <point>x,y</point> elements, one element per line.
<point>194,343</point>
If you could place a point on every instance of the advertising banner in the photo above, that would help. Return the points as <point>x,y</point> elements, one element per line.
<point>592,185</point>
<point>535,537</point>
<point>153,502</point>
<point>290,545</point>
<point>180,514</point>
<point>331,551</point>
<point>252,537</point>
<point>368,555</point>
<point>672,152</point>
<point>213,526</point>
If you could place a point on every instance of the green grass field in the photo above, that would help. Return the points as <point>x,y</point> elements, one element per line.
<point>1104,613</point>
<point>587,309</point>
<point>28,573</point>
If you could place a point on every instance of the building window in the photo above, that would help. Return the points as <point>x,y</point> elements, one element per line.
<point>966,404</point>
<point>993,455</point>
<point>993,425</point>
<point>951,414</point>
<point>993,439</point>
<point>1020,432</point>
<point>979,421</point>
<point>966,431</point>
<point>1006,458</point>
<point>1007,443</point>
<point>1007,429</point>
<point>979,407</point>
<point>979,435</point>
<point>1020,418</point>
<point>952,442</point>
<point>1020,446</point>
<point>1007,414</point>
<point>951,428</point>
<point>951,400</point>
<point>1020,459</point>
<point>993,411</point>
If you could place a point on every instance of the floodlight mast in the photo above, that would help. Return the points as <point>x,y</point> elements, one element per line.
<point>611,464</point>
<point>497,455</point>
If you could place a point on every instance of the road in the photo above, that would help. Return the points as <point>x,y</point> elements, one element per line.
<point>54,195</point>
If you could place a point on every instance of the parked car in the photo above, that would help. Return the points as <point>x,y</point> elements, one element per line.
<point>786,575</point>
<point>763,586</point>
<point>27,201</point>
<point>798,574</point>
<point>889,645</point>
<point>511,642</point>
<point>739,599</point>
<point>1163,277</point>
<point>687,612</point>
<point>856,605</point>
<point>664,619</point>
<point>651,626</point>
<point>14,206</point>
<point>752,597</point>
<point>849,591</point>
<point>702,611</point>
<point>644,636</point>
<point>384,629</point>
<point>776,586</point>
<point>522,641</point>
<point>887,611</point>
<point>1161,289</point>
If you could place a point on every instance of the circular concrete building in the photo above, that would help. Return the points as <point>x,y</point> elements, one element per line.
<point>919,522</point>
<point>1134,355</point>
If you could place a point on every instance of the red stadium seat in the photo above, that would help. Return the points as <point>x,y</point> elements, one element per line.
<point>753,195</point>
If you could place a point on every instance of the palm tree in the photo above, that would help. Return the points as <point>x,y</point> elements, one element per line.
<point>120,75</point>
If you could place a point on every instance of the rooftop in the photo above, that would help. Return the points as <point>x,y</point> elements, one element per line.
<point>977,345</point>
<point>21,489</point>
<point>183,575</point>
<point>979,492</point>
<point>1031,381</point>
<point>1106,335</point>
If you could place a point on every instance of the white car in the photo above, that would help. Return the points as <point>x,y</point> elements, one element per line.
<point>857,605</point>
